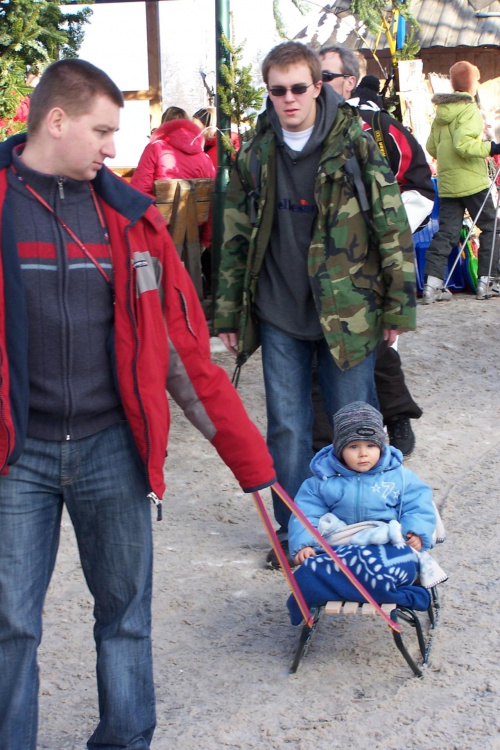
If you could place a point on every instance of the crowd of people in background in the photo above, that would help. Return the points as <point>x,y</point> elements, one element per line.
<point>101,319</point>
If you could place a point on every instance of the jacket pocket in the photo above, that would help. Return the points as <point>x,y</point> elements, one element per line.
<point>368,274</point>
<point>345,228</point>
<point>147,272</point>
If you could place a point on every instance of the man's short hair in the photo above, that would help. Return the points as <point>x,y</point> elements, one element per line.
<point>70,84</point>
<point>350,63</point>
<point>290,53</point>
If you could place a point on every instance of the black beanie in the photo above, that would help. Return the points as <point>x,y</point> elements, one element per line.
<point>370,82</point>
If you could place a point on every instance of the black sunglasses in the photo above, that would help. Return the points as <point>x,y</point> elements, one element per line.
<point>297,89</point>
<point>327,76</point>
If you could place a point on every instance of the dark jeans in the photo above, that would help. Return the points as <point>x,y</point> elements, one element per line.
<point>288,367</point>
<point>101,481</point>
<point>395,400</point>
<point>451,214</point>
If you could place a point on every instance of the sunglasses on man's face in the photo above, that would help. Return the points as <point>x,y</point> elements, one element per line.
<point>297,89</point>
<point>327,76</point>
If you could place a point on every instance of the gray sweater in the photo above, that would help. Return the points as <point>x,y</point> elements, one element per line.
<point>284,297</point>
<point>70,307</point>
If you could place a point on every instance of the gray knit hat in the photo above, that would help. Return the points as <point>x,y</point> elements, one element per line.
<point>357,421</point>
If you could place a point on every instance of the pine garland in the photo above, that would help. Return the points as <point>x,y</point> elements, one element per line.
<point>238,98</point>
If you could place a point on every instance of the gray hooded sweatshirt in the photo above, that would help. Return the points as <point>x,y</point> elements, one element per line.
<point>284,298</point>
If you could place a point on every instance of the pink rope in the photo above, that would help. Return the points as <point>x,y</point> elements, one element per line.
<point>264,517</point>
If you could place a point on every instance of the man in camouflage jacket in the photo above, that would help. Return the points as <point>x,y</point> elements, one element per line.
<point>317,263</point>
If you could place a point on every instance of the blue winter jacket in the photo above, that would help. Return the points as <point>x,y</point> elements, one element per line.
<point>386,492</point>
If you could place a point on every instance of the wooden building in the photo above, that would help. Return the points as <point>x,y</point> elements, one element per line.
<point>450,30</point>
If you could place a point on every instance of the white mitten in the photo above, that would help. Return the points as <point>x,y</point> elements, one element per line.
<point>330,524</point>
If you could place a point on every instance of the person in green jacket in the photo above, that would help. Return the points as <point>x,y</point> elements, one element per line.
<point>456,141</point>
<point>317,261</point>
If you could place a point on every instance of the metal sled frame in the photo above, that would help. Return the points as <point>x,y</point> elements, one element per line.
<point>395,610</point>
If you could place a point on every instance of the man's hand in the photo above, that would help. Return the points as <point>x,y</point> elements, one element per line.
<point>230,341</point>
<point>303,554</point>
<point>390,335</point>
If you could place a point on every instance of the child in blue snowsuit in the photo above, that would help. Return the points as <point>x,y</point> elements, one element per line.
<point>361,478</point>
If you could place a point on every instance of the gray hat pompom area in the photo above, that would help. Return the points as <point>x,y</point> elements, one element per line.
<point>357,421</point>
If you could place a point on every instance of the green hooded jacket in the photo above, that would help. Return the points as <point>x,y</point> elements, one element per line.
<point>456,141</point>
<point>362,280</point>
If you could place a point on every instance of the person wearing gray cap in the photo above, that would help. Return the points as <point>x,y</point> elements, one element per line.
<point>361,478</point>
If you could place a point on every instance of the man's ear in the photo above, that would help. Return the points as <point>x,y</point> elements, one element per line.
<point>317,88</point>
<point>349,85</point>
<point>56,119</point>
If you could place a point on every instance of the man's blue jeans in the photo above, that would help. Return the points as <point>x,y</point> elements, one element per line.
<point>102,482</point>
<point>288,365</point>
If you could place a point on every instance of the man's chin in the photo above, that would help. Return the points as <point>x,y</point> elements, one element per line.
<point>94,169</point>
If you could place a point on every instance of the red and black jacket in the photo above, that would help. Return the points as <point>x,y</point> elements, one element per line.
<point>161,341</point>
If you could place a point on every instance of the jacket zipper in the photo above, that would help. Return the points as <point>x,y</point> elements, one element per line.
<point>358,504</point>
<point>67,328</point>
<point>151,495</point>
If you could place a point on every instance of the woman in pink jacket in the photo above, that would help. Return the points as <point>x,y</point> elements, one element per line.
<point>175,151</point>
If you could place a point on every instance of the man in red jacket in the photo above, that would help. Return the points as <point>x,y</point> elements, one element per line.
<point>97,318</point>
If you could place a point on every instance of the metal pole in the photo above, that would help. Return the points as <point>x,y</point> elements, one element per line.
<point>222,26</point>
<point>494,241</point>
<point>471,229</point>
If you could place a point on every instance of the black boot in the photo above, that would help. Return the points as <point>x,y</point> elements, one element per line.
<point>401,435</point>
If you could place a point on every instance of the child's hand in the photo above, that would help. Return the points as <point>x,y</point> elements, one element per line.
<point>303,554</point>
<point>414,541</point>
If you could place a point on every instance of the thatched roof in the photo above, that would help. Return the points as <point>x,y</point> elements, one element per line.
<point>444,23</point>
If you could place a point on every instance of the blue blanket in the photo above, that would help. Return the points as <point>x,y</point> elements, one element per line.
<point>387,572</point>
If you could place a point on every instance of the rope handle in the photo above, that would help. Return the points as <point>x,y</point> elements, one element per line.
<point>297,593</point>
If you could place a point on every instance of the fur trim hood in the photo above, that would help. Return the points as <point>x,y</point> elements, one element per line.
<point>449,106</point>
<point>457,97</point>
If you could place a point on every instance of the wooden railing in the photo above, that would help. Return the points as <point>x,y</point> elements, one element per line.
<point>185,204</point>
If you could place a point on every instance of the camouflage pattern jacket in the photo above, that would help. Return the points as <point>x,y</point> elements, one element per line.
<point>360,263</point>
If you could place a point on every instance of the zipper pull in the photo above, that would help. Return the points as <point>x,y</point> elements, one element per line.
<point>159,505</point>
<point>61,187</point>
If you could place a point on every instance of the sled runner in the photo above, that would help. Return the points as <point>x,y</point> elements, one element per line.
<point>395,611</point>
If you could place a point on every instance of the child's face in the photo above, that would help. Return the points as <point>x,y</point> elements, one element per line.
<point>361,455</point>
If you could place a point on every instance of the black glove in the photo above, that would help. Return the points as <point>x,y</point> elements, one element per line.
<point>495,148</point>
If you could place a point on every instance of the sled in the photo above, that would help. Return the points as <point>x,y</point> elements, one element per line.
<point>393,613</point>
<point>396,612</point>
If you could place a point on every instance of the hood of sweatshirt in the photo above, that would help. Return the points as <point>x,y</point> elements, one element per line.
<point>182,135</point>
<point>327,104</point>
<point>327,464</point>
<point>449,106</point>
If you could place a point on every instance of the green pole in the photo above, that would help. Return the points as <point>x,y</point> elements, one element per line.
<point>222,26</point>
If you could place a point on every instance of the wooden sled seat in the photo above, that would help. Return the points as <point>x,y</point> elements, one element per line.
<point>395,611</point>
